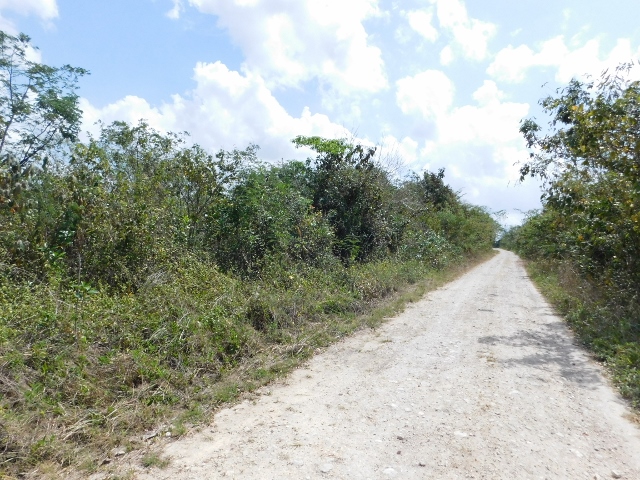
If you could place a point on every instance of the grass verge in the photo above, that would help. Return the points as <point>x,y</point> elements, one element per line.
<point>607,323</point>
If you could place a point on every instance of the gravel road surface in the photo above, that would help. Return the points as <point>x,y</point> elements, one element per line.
<point>479,379</point>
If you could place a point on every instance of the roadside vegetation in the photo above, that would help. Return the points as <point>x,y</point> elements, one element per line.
<point>145,280</point>
<point>583,247</point>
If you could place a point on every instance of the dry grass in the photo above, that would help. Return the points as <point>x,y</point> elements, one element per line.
<point>605,321</point>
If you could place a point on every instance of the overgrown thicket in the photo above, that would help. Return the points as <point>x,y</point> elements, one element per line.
<point>141,275</point>
<point>586,240</point>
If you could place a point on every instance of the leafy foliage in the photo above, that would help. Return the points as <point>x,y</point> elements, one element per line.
<point>434,191</point>
<point>265,218</point>
<point>38,105</point>
<point>349,188</point>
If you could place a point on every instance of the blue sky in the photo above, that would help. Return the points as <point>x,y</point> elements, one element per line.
<point>435,83</point>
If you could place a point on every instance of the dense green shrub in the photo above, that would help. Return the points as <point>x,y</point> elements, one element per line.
<point>354,194</point>
<point>265,217</point>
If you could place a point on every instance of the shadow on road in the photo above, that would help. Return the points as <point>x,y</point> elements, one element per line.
<point>548,349</point>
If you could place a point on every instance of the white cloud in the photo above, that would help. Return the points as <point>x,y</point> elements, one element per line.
<point>488,93</point>
<point>288,42</point>
<point>471,36</point>
<point>478,143</point>
<point>446,55</point>
<point>420,21</point>
<point>226,108</point>
<point>394,152</point>
<point>429,93</point>
<point>33,55</point>
<point>47,10</point>
<point>176,11</point>
<point>129,109</point>
<point>491,123</point>
<point>512,63</point>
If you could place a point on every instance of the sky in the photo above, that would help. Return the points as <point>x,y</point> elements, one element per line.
<point>433,83</point>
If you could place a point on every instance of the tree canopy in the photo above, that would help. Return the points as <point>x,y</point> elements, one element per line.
<point>39,113</point>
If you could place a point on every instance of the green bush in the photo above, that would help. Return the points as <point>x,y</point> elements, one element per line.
<point>265,217</point>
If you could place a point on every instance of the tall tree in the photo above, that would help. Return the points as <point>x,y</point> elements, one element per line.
<point>38,104</point>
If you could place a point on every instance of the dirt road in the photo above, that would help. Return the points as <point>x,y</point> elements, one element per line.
<point>478,380</point>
